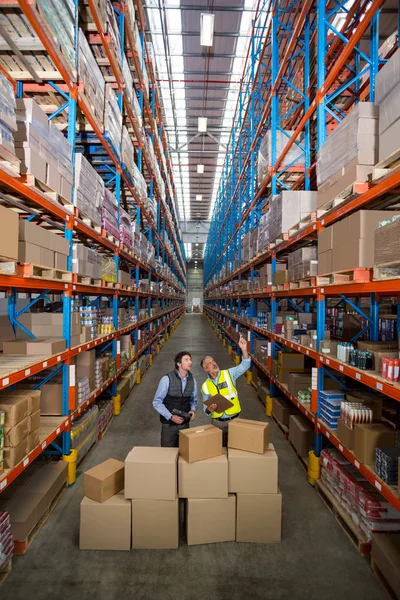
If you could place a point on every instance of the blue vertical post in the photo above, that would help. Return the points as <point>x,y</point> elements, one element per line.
<point>307,133</point>
<point>374,55</point>
<point>374,315</point>
<point>321,50</point>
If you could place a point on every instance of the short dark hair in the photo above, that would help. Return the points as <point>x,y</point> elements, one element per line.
<point>179,356</point>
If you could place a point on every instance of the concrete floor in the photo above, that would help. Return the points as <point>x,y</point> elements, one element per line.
<point>314,560</point>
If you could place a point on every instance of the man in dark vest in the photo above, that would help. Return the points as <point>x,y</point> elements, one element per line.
<point>176,390</point>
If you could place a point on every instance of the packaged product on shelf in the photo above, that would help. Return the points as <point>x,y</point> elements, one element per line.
<point>109,269</point>
<point>302,263</point>
<point>263,232</point>
<point>6,539</point>
<point>387,237</point>
<point>59,16</point>
<point>88,318</point>
<point>387,90</point>
<point>106,413</point>
<point>137,43</point>
<point>287,209</point>
<point>84,431</point>
<point>113,34</point>
<point>109,220</point>
<point>8,121</point>
<point>265,158</point>
<point>86,261</point>
<point>112,120</point>
<point>330,407</point>
<point>363,504</point>
<point>125,229</point>
<point>89,189</point>
<point>387,465</point>
<point>91,76</point>
<point>349,153</point>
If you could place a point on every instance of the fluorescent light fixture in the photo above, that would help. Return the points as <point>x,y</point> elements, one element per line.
<point>196,244</point>
<point>202,124</point>
<point>200,168</point>
<point>199,197</point>
<point>206,29</point>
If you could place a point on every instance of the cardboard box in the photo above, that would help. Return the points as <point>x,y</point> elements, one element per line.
<point>301,434</point>
<point>328,347</point>
<point>30,232</point>
<point>59,244</point>
<point>369,399</point>
<point>200,443</point>
<point>263,392</point>
<point>85,366</point>
<point>325,263</point>
<point>248,435</point>
<point>9,233</point>
<point>379,354</point>
<point>104,480</point>
<point>46,258</point>
<point>342,180</point>
<point>155,524</point>
<point>25,512</point>
<point>60,261</point>
<point>298,381</point>
<point>280,277</point>
<point>38,346</point>
<point>325,240</point>
<point>32,440</point>
<point>385,552</point>
<point>13,455</point>
<point>346,435</point>
<point>251,473</point>
<point>15,408</point>
<point>151,473</point>
<point>259,518</point>
<point>50,399</point>
<point>123,388</point>
<point>282,409</point>
<point>201,528</point>
<point>105,526</point>
<point>28,252</point>
<point>14,435</point>
<point>48,480</point>
<point>34,421</point>
<point>368,438</point>
<point>203,479</point>
<point>291,361</point>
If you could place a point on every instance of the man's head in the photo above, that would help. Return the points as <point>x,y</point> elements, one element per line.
<point>183,360</point>
<point>209,365</point>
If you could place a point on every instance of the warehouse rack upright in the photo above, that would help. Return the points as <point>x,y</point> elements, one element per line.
<point>58,84</point>
<point>308,63</point>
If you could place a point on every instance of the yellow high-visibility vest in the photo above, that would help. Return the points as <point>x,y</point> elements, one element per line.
<point>226,388</point>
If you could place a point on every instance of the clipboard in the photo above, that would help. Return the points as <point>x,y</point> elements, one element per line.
<point>222,403</point>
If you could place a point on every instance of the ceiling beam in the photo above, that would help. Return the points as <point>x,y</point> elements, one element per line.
<point>199,8</point>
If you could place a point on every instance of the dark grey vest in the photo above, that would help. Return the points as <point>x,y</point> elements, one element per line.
<point>175,398</point>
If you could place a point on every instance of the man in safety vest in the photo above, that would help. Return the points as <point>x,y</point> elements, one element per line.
<point>177,391</point>
<point>223,382</point>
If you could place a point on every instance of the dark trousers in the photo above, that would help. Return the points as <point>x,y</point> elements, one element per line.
<point>223,425</point>
<point>170,434</point>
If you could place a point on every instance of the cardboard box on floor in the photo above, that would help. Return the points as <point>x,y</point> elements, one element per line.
<point>385,552</point>
<point>200,443</point>
<point>248,435</point>
<point>151,473</point>
<point>104,480</point>
<point>259,518</point>
<point>282,409</point>
<point>210,520</point>
<point>301,434</point>
<point>203,479</point>
<point>251,473</point>
<point>106,526</point>
<point>155,524</point>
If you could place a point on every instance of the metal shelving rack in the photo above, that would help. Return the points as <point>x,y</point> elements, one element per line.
<point>70,98</point>
<point>298,47</point>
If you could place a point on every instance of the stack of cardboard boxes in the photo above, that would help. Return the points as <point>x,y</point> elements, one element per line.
<point>229,495</point>
<point>41,247</point>
<point>21,424</point>
<point>387,96</point>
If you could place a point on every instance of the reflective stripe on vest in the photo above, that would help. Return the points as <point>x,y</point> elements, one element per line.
<point>228,391</point>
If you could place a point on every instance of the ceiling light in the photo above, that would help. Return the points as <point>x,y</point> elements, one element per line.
<point>206,29</point>
<point>200,168</point>
<point>199,197</point>
<point>202,124</point>
<point>196,244</point>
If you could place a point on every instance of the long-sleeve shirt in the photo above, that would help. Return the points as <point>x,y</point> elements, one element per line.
<point>162,391</point>
<point>234,372</point>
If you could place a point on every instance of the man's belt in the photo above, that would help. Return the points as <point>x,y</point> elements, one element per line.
<point>228,418</point>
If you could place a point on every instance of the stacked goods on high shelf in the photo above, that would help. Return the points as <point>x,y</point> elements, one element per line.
<point>349,153</point>
<point>287,209</point>
<point>112,120</point>
<point>347,245</point>
<point>130,167</point>
<point>39,246</point>
<point>60,19</point>
<point>386,96</point>
<point>43,150</point>
<point>130,93</point>
<point>92,79</point>
<point>387,237</point>
<point>155,167</point>
<point>367,509</point>
<point>140,498</point>
<point>86,261</point>
<point>2,421</point>
<point>29,498</point>
<point>265,158</point>
<point>22,410</point>
<point>89,189</point>
<point>302,263</point>
<point>109,269</point>
<point>8,122</point>
<point>109,213</point>
<point>6,539</point>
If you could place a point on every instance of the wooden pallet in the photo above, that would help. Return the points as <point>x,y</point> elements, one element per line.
<point>29,270</point>
<point>86,280</point>
<point>109,284</point>
<point>302,283</point>
<point>9,163</point>
<point>356,536</point>
<point>343,277</point>
<point>105,234</point>
<point>88,222</point>
<point>386,166</point>
<point>389,592</point>
<point>284,428</point>
<point>103,433</point>
<point>305,222</point>
<point>123,286</point>
<point>5,570</point>
<point>352,191</point>
<point>47,191</point>
<point>21,547</point>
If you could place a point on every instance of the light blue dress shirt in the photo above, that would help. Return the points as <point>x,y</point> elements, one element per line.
<point>234,372</point>
<point>162,391</point>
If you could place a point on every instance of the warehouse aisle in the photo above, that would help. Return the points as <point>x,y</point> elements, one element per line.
<point>314,560</point>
